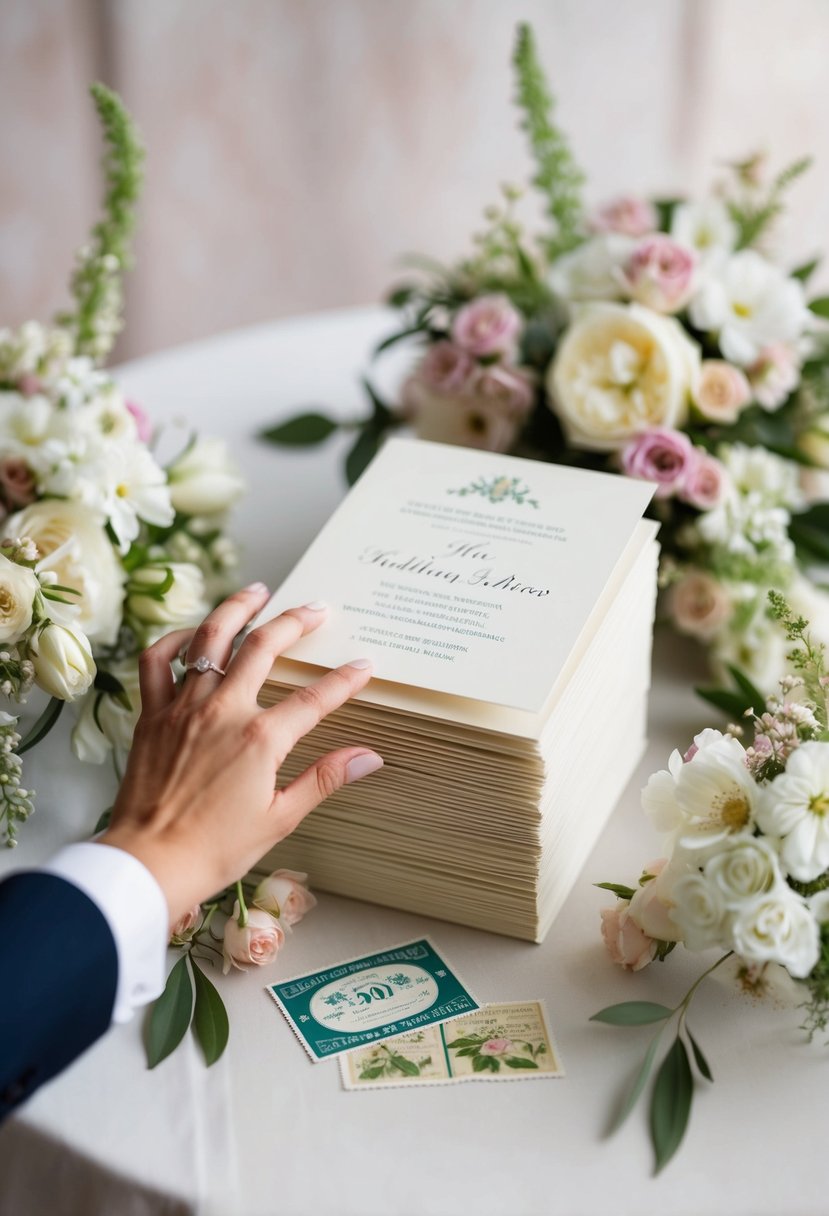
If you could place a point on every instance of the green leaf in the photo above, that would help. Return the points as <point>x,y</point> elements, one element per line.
<point>42,726</point>
<point>820,306</point>
<point>368,1074</point>
<point>755,698</point>
<point>469,1051</point>
<point>394,338</point>
<point>671,1104</point>
<point>519,1062</point>
<point>806,269</point>
<point>407,1067</point>
<point>638,1085</point>
<point>399,297</point>
<point>617,888</point>
<point>701,1062</point>
<point>301,431</point>
<point>480,1063</point>
<point>170,1015</point>
<point>381,415</point>
<point>362,453</point>
<point>733,704</point>
<point>103,821</point>
<point>210,1024</point>
<point>468,1041</point>
<point>632,1013</point>
<point>810,530</point>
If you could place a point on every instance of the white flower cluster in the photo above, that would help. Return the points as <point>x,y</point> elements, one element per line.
<point>16,803</point>
<point>106,548</point>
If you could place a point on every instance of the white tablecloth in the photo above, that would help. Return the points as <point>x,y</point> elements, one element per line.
<point>265,1131</point>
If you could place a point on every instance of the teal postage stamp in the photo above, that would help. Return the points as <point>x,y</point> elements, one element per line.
<point>371,998</point>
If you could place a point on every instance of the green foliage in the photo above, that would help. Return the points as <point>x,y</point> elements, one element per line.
<point>210,1022</point>
<point>557,175</point>
<point>753,216</point>
<point>820,306</point>
<point>633,1013</point>
<point>170,1015</point>
<point>301,431</point>
<point>96,280</point>
<point>735,702</point>
<point>618,889</point>
<point>808,657</point>
<point>671,1103</point>
<point>810,532</point>
<point>42,726</point>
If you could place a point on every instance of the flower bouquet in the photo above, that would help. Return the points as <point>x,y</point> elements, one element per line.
<point>103,547</point>
<point>746,872</point>
<point>658,339</point>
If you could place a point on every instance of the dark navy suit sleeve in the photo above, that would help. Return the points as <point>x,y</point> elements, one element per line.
<point>59,969</point>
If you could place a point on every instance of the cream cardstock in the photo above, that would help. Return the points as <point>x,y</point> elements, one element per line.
<point>463,572</point>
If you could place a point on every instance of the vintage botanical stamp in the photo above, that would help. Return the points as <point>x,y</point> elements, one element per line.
<point>402,990</point>
<point>506,1042</point>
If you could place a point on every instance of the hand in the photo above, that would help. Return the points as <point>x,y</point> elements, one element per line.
<point>197,803</point>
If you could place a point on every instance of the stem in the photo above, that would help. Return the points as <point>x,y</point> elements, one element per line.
<point>682,1007</point>
<point>243,908</point>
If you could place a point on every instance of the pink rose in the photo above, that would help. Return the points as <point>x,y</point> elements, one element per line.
<point>446,367</point>
<point>660,273</point>
<point>706,482</point>
<point>17,482</point>
<point>774,375</point>
<point>29,384</point>
<point>660,455</point>
<point>722,391</point>
<point>142,421</point>
<point>497,1047</point>
<point>627,214</point>
<point>487,326</point>
<point>257,943</point>
<point>285,894</point>
<point>504,387</point>
<point>470,421</point>
<point>651,906</point>
<point>699,606</point>
<point>184,928</point>
<point>627,945</point>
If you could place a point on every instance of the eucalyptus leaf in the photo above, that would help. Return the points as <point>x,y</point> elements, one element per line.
<point>671,1104</point>
<point>632,1096</point>
<point>632,1013</point>
<point>210,1022</point>
<point>618,889</point>
<point>701,1062</point>
<point>304,430</point>
<point>519,1062</point>
<point>407,1067</point>
<point>170,1015</point>
<point>42,726</point>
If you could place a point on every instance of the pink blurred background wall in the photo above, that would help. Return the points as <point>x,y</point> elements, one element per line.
<point>297,147</point>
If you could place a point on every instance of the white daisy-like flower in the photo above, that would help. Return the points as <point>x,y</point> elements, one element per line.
<point>125,483</point>
<point>715,793</point>
<point>749,304</point>
<point>706,227</point>
<point>795,808</point>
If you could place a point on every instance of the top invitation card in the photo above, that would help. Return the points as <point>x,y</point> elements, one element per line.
<point>461,571</point>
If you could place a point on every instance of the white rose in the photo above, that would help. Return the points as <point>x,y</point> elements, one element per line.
<point>744,868</point>
<point>18,588</point>
<point>699,911</point>
<point>105,722</point>
<point>84,559</point>
<point>593,270</point>
<point>204,480</point>
<point>620,370</point>
<point>63,662</point>
<point>182,603</point>
<point>777,927</point>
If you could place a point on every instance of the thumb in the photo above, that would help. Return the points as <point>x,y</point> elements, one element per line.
<point>321,779</point>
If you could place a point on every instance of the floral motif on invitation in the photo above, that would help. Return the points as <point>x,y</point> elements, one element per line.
<point>499,489</point>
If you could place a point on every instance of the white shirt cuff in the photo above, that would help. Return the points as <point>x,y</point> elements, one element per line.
<point>135,909</point>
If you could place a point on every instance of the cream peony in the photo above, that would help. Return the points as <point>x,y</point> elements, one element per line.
<point>18,588</point>
<point>75,548</point>
<point>63,662</point>
<point>621,370</point>
<point>204,480</point>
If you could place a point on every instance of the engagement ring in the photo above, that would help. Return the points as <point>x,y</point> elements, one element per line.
<point>202,664</point>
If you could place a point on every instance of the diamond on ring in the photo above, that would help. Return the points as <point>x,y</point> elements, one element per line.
<point>203,664</point>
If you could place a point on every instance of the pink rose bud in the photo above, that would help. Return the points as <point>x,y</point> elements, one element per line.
<point>650,908</point>
<point>505,387</point>
<point>497,1047</point>
<point>17,482</point>
<point>774,375</point>
<point>285,894</point>
<point>706,482</point>
<point>186,926</point>
<point>626,944</point>
<point>660,273</point>
<point>700,606</point>
<point>660,455</point>
<point>446,367</point>
<point>627,214</point>
<point>256,944</point>
<point>142,421</point>
<point>722,391</point>
<point>487,326</point>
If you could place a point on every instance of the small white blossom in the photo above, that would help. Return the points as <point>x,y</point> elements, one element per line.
<point>795,807</point>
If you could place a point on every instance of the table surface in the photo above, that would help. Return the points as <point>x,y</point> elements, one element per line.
<point>266,1131</point>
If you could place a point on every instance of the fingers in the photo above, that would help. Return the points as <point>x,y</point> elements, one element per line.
<point>155,675</point>
<point>328,774</point>
<point>251,666</point>
<point>213,639</point>
<point>303,709</point>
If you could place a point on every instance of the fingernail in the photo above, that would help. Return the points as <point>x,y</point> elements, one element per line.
<point>361,663</point>
<point>361,766</point>
<point>256,589</point>
<point>316,605</point>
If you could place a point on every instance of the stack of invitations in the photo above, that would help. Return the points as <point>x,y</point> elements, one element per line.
<point>507,606</point>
